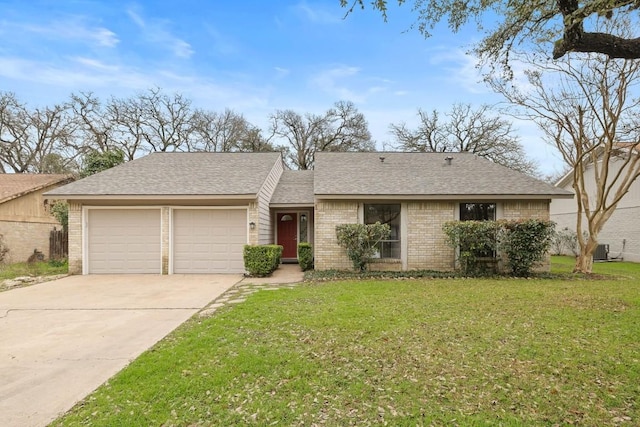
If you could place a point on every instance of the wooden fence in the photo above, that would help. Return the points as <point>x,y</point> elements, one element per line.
<point>58,244</point>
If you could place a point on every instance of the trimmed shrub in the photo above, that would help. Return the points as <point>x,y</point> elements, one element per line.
<point>522,242</point>
<point>476,242</point>
<point>305,256</point>
<point>525,243</point>
<point>361,241</point>
<point>261,260</point>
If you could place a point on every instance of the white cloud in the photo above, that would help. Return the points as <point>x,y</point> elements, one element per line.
<point>461,67</point>
<point>73,28</point>
<point>332,81</point>
<point>94,63</point>
<point>317,14</point>
<point>282,72</point>
<point>155,32</point>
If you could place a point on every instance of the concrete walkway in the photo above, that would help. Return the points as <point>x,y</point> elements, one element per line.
<point>286,276</point>
<point>60,340</point>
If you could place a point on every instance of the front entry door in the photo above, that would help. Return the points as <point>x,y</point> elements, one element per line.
<point>288,234</point>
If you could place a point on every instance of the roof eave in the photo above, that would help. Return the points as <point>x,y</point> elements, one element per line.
<point>444,196</point>
<point>54,196</point>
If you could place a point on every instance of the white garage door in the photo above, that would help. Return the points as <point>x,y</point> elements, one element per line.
<point>124,241</point>
<point>209,240</point>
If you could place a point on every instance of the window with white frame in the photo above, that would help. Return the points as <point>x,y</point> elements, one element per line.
<point>386,214</point>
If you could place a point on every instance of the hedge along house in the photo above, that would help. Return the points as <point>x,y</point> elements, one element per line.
<point>193,212</point>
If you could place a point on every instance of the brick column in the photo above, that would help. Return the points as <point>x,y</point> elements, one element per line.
<point>75,238</point>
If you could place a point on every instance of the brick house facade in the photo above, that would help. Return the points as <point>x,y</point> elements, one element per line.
<point>252,198</point>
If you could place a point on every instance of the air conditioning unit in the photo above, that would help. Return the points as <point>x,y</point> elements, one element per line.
<point>601,253</point>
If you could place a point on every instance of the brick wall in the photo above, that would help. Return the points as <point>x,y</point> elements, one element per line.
<point>525,209</point>
<point>427,246</point>
<point>327,253</point>
<point>23,237</point>
<point>253,215</point>
<point>75,238</point>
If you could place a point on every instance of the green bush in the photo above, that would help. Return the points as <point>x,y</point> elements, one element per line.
<point>305,256</point>
<point>361,241</point>
<point>525,243</point>
<point>476,242</point>
<point>261,260</point>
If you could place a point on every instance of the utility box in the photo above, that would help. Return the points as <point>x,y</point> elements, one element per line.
<point>601,253</point>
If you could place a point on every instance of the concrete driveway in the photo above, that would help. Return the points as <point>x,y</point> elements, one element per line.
<point>60,340</point>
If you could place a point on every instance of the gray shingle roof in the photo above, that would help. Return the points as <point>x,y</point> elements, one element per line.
<point>295,187</point>
<point>422,174</point>
<point>173,174</point>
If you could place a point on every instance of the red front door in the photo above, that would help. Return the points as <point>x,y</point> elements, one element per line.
<point>288,234</point>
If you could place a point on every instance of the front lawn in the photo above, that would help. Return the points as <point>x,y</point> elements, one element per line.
<point>397,352</point>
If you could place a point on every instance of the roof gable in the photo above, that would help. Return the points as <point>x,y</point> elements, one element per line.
<point>422,174</point>
<point>14,185</point>
<point>179,174</point>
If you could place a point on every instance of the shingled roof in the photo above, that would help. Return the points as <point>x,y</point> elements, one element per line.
<point>294,188</point>
<point>179,174</point>
<point>14,185</point>
<point>424,175</point>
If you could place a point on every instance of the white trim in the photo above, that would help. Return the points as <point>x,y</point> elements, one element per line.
<point>199,197</point>
<point>404,235</point>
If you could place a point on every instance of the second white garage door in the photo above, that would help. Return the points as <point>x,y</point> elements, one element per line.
<point>209,240</point>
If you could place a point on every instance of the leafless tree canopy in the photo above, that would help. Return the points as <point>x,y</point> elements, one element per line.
<point>465,129</point>
<point>341,128</point>
<point>57,139</point>
<point>34,140</point>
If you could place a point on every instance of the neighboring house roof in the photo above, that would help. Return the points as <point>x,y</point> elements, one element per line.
<point>178,174</point>
<point>423,175</point>
<point>294,188</point>
<point>14,185</point>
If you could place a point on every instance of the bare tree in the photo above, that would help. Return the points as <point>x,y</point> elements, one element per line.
<point>226,131</point>
<point>29,137</point>
<point>341,128</point>
<point>95,127</point>
<point>149,121</point>
<point>588,109</point>
<point>478,131</point>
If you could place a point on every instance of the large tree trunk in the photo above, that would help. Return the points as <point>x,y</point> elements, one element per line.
<point>584,261</point>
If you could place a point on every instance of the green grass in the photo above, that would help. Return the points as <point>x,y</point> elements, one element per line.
<point>46,268</point>
<point>469,352</point>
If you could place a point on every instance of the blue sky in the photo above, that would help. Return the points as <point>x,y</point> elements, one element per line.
<point>253,56</point>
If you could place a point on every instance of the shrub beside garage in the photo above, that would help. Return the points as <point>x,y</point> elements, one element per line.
<point>261,260</point>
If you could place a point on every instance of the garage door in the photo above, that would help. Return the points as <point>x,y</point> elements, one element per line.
<point>209,240</point>
<point>124,241</point>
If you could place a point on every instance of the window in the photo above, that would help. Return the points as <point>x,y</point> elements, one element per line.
<point>386,214</point>
<point>477,211</point>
